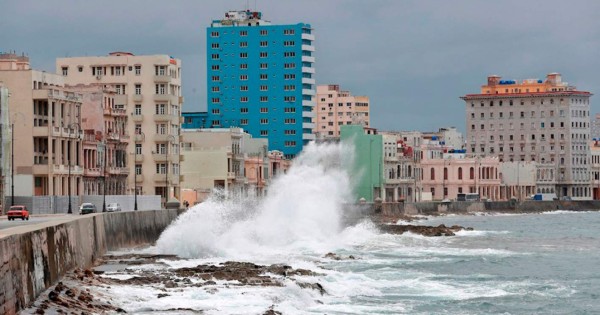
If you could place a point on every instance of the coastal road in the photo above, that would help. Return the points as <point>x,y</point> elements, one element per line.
<point>33,219</point>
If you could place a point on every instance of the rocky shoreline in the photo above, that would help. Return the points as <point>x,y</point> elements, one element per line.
<point>78,292</point>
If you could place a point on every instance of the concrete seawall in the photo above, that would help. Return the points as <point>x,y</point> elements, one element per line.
<point>32,258</point>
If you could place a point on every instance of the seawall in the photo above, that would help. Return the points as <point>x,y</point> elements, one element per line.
<point>35,257</point>
<point>528,206</point>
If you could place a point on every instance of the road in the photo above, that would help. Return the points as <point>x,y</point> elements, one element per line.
<point>5,224</point>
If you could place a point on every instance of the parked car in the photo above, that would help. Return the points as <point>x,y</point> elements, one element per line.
<point>86,208</point>
<point>113,207</point>
<point>18,212</point>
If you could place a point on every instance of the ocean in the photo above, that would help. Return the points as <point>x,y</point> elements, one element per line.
<point>546,263</point>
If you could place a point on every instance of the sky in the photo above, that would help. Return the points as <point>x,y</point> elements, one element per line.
<point>414,59</point>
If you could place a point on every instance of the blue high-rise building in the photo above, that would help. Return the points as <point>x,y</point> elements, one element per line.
<point>260,77</point>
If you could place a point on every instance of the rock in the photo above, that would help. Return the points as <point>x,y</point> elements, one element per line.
<point>53,296</point>
<point>170,284</point>
<point>332,256</point>
<point>440,230</point>
<point>120,310</point>
<point>98,272</point>
<point>315,286</point>
<point>162,295</point>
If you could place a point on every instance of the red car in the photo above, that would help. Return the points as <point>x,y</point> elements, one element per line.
<point>18,212</point>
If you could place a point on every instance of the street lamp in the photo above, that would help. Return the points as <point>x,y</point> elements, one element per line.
<point>69,162</point>
<point>143,137</point>
<point>167,167</point>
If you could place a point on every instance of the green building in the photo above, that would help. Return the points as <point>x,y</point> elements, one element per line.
<point>367,168</point>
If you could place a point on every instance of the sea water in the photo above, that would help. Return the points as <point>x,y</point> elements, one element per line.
<point>510,264</point>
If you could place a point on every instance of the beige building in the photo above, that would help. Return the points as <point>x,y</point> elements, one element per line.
<point>4,144</point>
<point>149,89</point>
<point>216,158</point>
<point>544,121</point>
<point>47,137</point>
<point>336,108</point>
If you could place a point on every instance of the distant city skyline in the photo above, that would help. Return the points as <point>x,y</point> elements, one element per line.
<point>414,59</point>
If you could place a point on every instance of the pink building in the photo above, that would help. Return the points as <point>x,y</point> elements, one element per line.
<point>336,108</point>
<point>446,174</point>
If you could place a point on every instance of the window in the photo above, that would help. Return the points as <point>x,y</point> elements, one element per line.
<point>289,87</point>
<point>264,121</point>
<point>289,98</point>
<point>263,76</point>
<point>161,168</point>
<point>243,121</point>
<point>244,110</point>
<point>290,77</point>
<point>243,44</point>
<point>264,54</point>
<point>290,143</point>
<point>65,71</point>
<point>289,65</point>
<point>138,109</point>
<point>215,67</point>
<point>432,171</point>
<point>264,132</point>
<point>471,173</point>
<point>288,32</point>
<point>290,132</point>
<point>288,43</point>
<point>160,89</point>
<point>161,129</point>
<point>289,54</point>
<point>216,123</point>
<point>243,88</point>
<point>243,77</point>
<point>264,33</point>
<point>80,69</point>
<point>215,89</point>
<point>264,110</point>
<point>244,99</point>
<point>160,109</point>
<point>214,34</point>
<point>264,88</point>
<point>138,129</point>
<point>460,173</point>
<point>138,89</point>
<point>244,55</point>
<point>138,148</point>
<point>216,111</point>
<point>243,33</point>
<point>264,44</point>
<point>264,98</point>
<point>290,110</point>
<point>264,66</point>
<point>216,78</point>
<point>138,70</point>
<point>214,56</point>
<point>290,121</point>
<point>216,100</point>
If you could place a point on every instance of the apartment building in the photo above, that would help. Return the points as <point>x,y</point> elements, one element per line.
<point>4,144</point>
<point>47,139</point>
<point>545,121</point>
<point>399,171</point>
<point>216,159</point>
<point>336,108</point>
<point>105,139</point>
<point>148,88</point>
<point>260,78</point>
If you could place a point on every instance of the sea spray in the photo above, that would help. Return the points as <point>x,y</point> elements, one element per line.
<point>301,212</point>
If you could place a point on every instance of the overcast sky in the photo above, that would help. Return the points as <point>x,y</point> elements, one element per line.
<point>414,59</point>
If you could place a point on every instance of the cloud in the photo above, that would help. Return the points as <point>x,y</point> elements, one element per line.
<point>413,58</point>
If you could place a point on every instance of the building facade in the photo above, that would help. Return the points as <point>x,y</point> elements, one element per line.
<point>400,178</point>
<point>260,77</point>
<point>5,142</point>
<point>148,88</point>
<point>336,108</point>
<point>47,136</point>
<point>542,121</point>
<point>194,120</point>
<point>368,165</point>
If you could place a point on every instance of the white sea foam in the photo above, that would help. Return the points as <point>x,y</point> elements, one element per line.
<point>301,214</point>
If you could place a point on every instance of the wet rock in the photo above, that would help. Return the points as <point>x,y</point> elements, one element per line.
<point>53,296</point>
<point>98,272</point>
<point>162,295</point>
<point>170,284</point>
<point>440,230</point>
<point>314,286</point>
<point>335,256</point>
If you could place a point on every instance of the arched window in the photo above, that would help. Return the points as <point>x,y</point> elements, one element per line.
<point>472,173</point>
<point>432,173</point>
<point>460,173</point>
<point>409,171</point>
<point>445,173</point>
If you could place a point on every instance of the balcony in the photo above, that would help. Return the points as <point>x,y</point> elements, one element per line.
<point>162,97</point>
<point>162,78</point>
<point>95,171</point>
<point>309,136</point>
<point>139,178</point>
<point>308,114</point>
<point>230,175</point>
<point>64,169</point>
<point>308,36</point>
<point>306,125</point>
<point>137,98</point>
<point>160,178</point>
<point>308,81</point>
<point>164,138</point>
<point>308,70</point>
<point>40,94</point>
<point>160,157</point>
<point>164,117</point>
<point>137,118</point>
<point>139,158</point>
<point>308,59</point>
<point>308,92</point>
<point>138,138</point>
<point>309,103</point>
<point>119,112</point>
<point>308,47</point>
<point>117,170</point>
